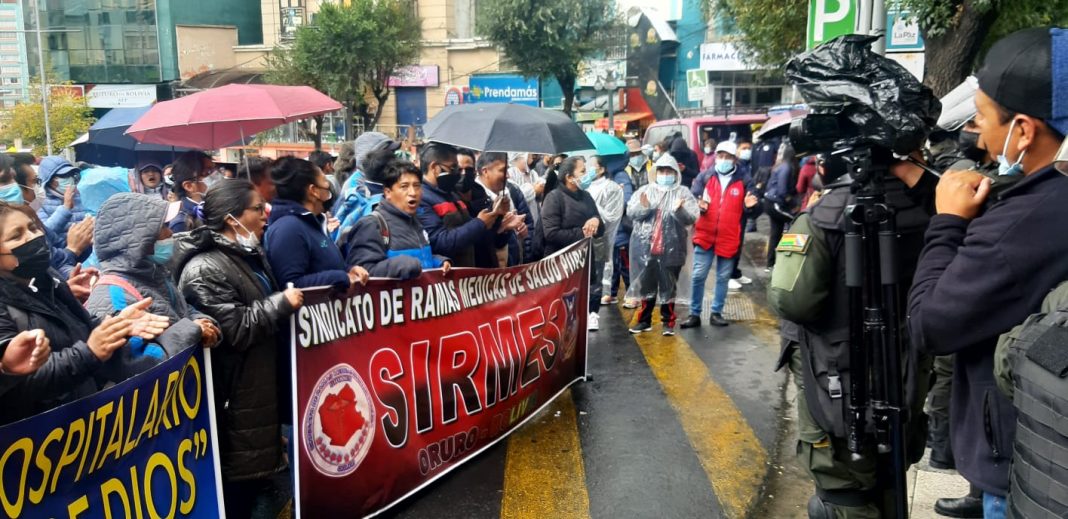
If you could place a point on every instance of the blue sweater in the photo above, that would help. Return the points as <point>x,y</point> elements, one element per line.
<point>299,250</point>
<point>974,281</point>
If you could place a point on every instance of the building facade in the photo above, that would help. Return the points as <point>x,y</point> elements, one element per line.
<point>14,72</point>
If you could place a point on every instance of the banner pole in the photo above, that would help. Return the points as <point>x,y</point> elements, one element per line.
<point>214,432</point>
<point>295,437</point>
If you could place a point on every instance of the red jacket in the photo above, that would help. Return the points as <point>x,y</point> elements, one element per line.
<point>720,226</point>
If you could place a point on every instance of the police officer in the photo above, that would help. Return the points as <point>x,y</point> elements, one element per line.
<point>808,291</point>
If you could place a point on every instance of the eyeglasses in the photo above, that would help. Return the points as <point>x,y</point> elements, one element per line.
<point>259,208</point>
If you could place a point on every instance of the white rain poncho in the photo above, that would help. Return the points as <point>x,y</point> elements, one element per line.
<point>609,199</point>
<point>660,230</point>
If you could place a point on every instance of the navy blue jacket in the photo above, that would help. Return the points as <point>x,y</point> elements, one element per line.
<point>407,253</point>
<point>299,250</point>
<point>974,281</point>
<point>453,232</point>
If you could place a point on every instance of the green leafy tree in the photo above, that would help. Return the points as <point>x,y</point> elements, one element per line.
<point>549,38</point>
<point>69,117</point>
<point>352,49</point>
<point>282,69</point>
<point>955,31</point>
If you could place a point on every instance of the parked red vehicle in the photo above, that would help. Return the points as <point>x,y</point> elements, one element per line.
<point>696,129</point>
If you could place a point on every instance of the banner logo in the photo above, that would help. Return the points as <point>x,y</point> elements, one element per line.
<point>339,422</point>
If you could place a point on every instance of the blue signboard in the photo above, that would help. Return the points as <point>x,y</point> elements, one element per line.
<point>142,448</point>
<point>902,32</point>
<point>503,88</point>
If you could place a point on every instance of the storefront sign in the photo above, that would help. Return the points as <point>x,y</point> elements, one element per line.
<point>721,57</point>
<point>121,96</point>
<point>504,88</point>
<point>400,382</point>
<point>415,76</point>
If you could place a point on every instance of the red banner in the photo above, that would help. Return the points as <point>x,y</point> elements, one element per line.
<point>397,383</point>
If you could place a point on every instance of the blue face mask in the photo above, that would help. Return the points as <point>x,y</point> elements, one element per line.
<point>637,161</point>
<point>12,194</point>
<point>588,178</point>
<point>665,180</point>
<point>745,155</point>
<point>162,252</point>
<point>64,183</point>
<point>724,166</point>
<point>1006,168</point>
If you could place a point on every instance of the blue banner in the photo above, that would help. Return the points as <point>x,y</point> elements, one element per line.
<point>503,88</point>
<point>143,448</point>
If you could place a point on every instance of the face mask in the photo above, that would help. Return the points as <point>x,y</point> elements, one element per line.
<point>637,162</point>
<point>329,195</point>
<point>656,155</point>
<point>448,182</point>
<point>163,251</point>
<point>12,194</point>
<point>64,183</point>
<point>745,155</point>
<point>588,178</point>
<point>665,180</point>
<point>249,241</point>
<point>968,143</point>
<point>708,151</point>
<point>1005,168</point>
<point>724,166</point>
<point>34,258</point>
<point>37,201</point>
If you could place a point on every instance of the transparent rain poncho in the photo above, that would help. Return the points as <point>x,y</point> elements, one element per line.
<point>609,199</point>
<point>660,231</point>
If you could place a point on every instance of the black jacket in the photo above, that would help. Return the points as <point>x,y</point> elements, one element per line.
<point>975,281</point>
<point>71,370</point>
<point>235,287</point>
<point>486,247</point>
<point>563,215</point>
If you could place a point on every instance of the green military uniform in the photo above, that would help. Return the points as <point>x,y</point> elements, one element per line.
<point>808,291</point>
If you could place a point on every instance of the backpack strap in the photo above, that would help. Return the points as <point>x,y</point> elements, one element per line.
<point>119,289</point>
<point>383,228</point>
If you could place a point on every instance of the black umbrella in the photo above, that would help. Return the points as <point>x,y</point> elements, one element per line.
<point>506,127</point>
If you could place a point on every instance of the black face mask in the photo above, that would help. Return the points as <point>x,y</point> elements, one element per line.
<point>448,181</point>
<point>468,180</point>
<point>34,258</point>
<point>968,143</point>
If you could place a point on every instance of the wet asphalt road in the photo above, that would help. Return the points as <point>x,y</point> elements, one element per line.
<point>682,426</point>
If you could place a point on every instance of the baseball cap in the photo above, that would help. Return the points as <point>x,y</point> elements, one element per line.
<point>958,106</point>
<point>1027,72</point>
<point>729,147</point>
<point>633,146</point>
<point>145,165</point>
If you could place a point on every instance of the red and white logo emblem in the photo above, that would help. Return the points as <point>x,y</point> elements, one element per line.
<point>339,422</point>
<point>735,191</point>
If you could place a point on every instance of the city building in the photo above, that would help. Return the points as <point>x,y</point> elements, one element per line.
<point>14,72</point>
<point>125,52</point>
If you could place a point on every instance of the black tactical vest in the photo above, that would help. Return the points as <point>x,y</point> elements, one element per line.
<point>1039,477</point>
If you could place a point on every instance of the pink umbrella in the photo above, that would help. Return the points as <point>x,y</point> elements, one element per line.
<point>222,116</point>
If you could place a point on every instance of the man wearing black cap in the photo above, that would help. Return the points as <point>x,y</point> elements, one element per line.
<point>981,274</point>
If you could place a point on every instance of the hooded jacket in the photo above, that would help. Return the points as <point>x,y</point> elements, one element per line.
<point>52,212</point>
<point>299,250</point>
<point>127,227</point>
<point>72,368</point>
<point>234,286</point>
<point>660,219</point>
<point>976,280</point>
<point>452,230</point>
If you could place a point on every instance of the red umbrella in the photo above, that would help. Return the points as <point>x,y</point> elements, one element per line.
<point>221,116</point>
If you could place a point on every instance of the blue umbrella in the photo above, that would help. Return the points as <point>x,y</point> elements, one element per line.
<point>108,144</point>
<point>606,144</point>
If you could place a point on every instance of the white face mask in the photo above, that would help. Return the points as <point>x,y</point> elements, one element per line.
<point>248,241</point>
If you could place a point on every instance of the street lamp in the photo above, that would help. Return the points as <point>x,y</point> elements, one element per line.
<point>608,82</point>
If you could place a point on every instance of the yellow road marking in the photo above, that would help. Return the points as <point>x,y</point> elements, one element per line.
<point>727,447</point>
<point>544,476</point>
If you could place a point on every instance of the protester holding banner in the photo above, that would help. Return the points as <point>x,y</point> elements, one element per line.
<point>223,272</point>
<point>661,213</point>
<point>390,242</point>
<point>134,245</point>
<point>32,298</point>
<point>569,215</point>
<point>298,248</point>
